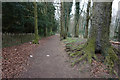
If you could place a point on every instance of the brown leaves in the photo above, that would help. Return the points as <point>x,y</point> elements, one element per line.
<point>15,58</point>
<point>99,69</point>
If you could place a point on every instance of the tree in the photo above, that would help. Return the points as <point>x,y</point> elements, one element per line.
<point>67,9</point>
<point>99,35</point>
<point>77,19</point>
<point>21,18</point>
<point>87,21</point>
<point>36,23</point>
<point>46,19</point>
<point>62,23</point>
<point>119,23</point>
<point>119,33</point>
<point>45,27</point>
<point>100,31</point>
<point>98,41</point>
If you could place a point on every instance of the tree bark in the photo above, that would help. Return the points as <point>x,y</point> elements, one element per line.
<point>119,23</point>
<point>45,31</point>
<point>119,33</point>
<point>67,21</point>
<point>87,21</point>
<point>36,23</point>
<point>77,20</point>
<point>99,36</point>
<point>98,41</point>
<point>101,22</point>
<point>67,10</point>
<point>62,21</point>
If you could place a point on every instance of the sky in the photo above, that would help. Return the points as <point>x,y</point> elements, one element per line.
<point>114,7</point>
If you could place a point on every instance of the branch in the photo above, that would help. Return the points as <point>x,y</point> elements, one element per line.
<point>113,42</point>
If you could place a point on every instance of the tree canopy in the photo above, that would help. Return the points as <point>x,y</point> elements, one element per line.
<point>19,17</point>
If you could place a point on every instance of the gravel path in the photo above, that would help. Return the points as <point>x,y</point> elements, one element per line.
<point>51,61</point>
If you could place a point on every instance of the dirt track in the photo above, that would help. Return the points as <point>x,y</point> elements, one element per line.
<point>51,61</point>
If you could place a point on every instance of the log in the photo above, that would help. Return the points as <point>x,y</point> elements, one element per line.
<point>115,42</point>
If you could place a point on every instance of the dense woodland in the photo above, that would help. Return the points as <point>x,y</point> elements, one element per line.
<point>24,16</point>
<point>92,22</point>
<point>19,17</point>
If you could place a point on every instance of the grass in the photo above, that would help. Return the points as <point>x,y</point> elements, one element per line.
<point>72,40</point>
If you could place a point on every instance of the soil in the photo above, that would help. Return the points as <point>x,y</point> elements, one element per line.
<point>51,61</point>
<point>48,59</point>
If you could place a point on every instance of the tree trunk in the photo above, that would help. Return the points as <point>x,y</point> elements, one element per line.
<point>119,33</point>
<point>101,24</point>
<point>118,14</point>
<point>98,41</point>
<point>87,21</point>
<point>36,23</point>
<point>77,20</point>
<point>67,22</point>
<point>45,31</point>
<point>99,36</point>
<point>51,31</point>
<point>62,21</point>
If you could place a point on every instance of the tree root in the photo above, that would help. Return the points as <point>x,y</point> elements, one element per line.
<point>87,51</point>
<point>111,58</point>
<point>35,42</point>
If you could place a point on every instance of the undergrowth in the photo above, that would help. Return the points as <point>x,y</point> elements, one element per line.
<point>86,51</point>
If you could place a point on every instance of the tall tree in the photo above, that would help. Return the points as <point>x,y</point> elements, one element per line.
<point>67,9</point>
<point>45,27</point>
<point>77,19</point>
<point>98,41</point>
<point>36,23</point>
<point>119,23</point>
<point>99,36</point>
<point>87,21</point>
<point>119,33</point>
<point>62,23</point>
<point>21,18</point>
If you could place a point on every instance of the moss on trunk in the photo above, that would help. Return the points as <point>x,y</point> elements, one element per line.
<point>77,20</point>
<point>99,36</point>
<point>62,21</point>
<point>36,24</point>
<point>87,21</point>
<point>87,51</point>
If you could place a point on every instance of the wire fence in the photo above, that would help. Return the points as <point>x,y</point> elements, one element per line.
<point>9,39</point>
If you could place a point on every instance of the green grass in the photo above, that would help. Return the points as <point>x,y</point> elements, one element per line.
<point>72,40</point>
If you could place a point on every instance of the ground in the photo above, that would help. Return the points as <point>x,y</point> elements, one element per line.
<point>51,61</point>
<point>48,59</point>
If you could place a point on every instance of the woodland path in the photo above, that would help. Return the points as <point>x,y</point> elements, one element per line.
<point>56,65</point>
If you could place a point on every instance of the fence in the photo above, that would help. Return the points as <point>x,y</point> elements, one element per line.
<point>9,39</point>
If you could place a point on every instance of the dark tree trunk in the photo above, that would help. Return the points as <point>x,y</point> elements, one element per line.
<point>98,41</point>
<point>77,20</point>
<point>119,23</point>
<point>36,23</point>
<point>87,21</point>
<point>45,31</point>
<point>67,21</point>
<point>119,33</point>
<point>100,25</point>
<point>62,21</point>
